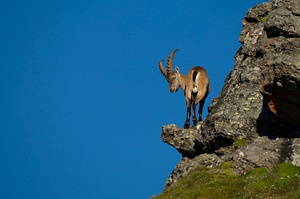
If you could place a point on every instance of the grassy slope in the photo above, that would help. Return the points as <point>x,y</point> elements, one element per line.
<point>281,181</point>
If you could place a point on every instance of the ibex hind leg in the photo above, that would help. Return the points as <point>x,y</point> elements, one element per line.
<point>194,117</point>
<point>201,109</point>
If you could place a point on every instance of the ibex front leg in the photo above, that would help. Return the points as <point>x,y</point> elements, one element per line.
<point>188,114</point>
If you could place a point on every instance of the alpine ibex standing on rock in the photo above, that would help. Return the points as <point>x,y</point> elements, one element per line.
<point>195,86</point>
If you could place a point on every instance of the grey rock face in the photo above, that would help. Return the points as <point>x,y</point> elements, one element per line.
<point>192,142</point>
<point>295,156</point>
<point>262,152</point>
<point>259,102</point>
<point>186,141</point>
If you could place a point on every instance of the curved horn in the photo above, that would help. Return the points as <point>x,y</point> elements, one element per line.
<point>162,68</point>
<point>170,62</point>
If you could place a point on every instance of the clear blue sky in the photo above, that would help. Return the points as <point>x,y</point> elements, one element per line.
<point>82,99</point>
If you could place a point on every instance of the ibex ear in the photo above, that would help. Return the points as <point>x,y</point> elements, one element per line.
<point>177,69</point>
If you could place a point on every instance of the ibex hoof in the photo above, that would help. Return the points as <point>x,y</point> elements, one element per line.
<point>187,125</point>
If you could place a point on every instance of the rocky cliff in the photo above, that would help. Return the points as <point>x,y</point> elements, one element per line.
<point>255,120</point>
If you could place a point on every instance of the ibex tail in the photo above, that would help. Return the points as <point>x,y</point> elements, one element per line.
<point>195,88</point>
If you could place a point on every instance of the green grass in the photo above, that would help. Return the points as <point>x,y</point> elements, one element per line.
<point>281,181</point>
<point>240,142</point>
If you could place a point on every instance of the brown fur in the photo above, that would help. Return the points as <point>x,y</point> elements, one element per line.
<point>195,86</point>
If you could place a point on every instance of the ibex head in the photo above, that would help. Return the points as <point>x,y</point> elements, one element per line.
<point>172,77</point>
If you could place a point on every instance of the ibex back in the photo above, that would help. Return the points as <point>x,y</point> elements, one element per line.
<point>195,86</point>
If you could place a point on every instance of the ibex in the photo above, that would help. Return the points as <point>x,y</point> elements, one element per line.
<point>195,86</point>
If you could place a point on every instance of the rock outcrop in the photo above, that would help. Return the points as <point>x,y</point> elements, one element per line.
<point>259,103</point>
